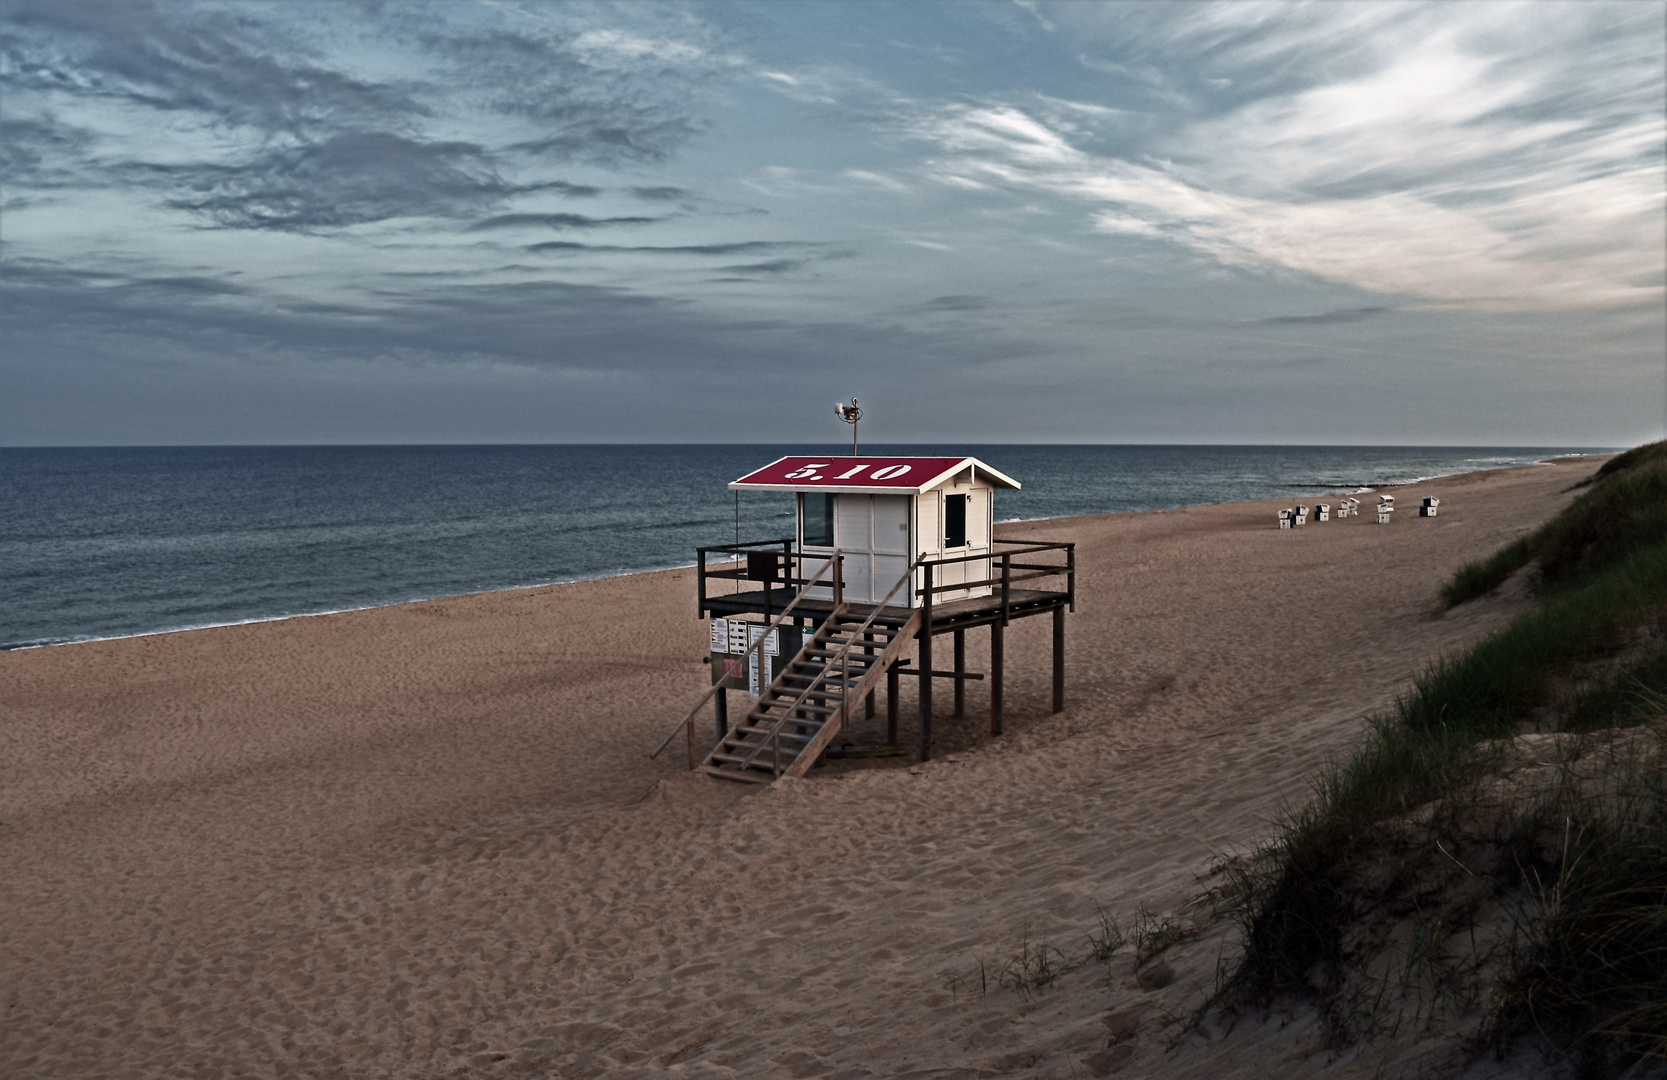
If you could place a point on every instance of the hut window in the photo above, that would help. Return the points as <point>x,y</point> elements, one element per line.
<point>817,515</point>
<point>954,521</point>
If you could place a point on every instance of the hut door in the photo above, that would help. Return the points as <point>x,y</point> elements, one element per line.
<point>854,533</point>
<point>979,511</point>
<point>955,520</point>
<point>891,545</point>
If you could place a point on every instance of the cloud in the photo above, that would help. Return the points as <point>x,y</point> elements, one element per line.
<point>956,303</point>
<point>40,153</point>
<point>545,325</point>
<point>194,286</point>
<point>1347,315</point>
<point>346,180</point>
<point>774,266</point>
<point>555,221</point>
<point>661,194</point>
<point>1452,171</point>
<point>176,59</point>
<point>738,248</point>
<point>599,96</point>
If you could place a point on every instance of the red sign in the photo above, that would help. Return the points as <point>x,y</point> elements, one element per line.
<point>853,473</point>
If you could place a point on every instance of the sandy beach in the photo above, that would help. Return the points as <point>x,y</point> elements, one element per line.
<point>427,840</point>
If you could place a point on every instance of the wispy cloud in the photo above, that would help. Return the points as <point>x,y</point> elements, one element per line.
<point>346,180</point>
<point>1327,318</point>
<point>737,248</point>
<point>1449,170</point>
<point>555,221</point>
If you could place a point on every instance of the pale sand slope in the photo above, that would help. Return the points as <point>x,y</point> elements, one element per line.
<point>415,841</point>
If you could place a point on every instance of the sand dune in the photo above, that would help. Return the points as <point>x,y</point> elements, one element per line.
<point>426,840</point>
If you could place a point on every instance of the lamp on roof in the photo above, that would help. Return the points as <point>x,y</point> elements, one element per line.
<point>850,414</point>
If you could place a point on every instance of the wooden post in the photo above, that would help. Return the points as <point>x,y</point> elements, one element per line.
<point>996,632</point>
<point>891,705</point>
<point>926,666</point>
<point>700,581</point>
<point>960,669</point>
<point>1059,659</point>
<point>868,661</point>
<point>1071,574</point>
<point>720,706</point>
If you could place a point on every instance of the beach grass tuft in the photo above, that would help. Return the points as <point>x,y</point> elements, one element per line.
<point>1624,509</point>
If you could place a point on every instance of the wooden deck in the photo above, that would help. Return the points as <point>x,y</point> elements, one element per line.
<point>947,615</point>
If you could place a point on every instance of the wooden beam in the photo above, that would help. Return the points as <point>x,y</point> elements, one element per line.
<point>720,706</point>
<point>891,706</point>
<point>960,670</point>
<point>868,651</point>
<point>1059,659</point>
<point>996,634</point>
<point>925,635</point>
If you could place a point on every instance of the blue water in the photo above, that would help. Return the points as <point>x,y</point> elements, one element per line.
<point>111,541</point>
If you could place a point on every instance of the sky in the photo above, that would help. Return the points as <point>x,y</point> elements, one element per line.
<point>502,221</point>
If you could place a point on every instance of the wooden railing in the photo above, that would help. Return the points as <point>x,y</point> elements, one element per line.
<point>1011,572</point>
<point>834,563</point>
<point>758,560</point>
<point>843,659</point>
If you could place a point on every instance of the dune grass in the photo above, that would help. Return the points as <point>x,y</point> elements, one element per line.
<point>1590,970</point>
<point>1381,839</point>
<point>1624,509</point>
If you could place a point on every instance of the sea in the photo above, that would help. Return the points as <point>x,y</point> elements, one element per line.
<point>112,542</point>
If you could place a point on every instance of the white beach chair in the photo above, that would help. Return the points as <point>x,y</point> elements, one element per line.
<point>1429,507</point>
<point>1322,511</point>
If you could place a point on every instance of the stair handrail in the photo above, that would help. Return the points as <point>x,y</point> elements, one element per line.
<point>838,553</point>
<point>774,737</point>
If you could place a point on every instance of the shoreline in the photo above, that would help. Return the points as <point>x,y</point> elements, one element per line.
<point>260,619</point>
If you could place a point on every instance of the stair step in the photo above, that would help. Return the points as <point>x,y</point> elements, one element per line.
<point>800,682</point>
<point>785,734</point>
<point>765,708</point>
<point>761,760</point>
<point>749,776</point>
<point>802,669</point>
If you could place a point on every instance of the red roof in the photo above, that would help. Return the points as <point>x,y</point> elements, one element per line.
<point>865,474</point>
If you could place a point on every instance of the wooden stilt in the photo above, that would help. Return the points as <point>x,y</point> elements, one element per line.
<point>926,666</point>
<point>1058,659</point>
<point>891,706</point>
<point>720,706</point>
<point>996,634</point>
<point>868,651</point>
<point>960,669</point>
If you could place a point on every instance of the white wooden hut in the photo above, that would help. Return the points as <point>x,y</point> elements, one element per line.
<point>883,512</point>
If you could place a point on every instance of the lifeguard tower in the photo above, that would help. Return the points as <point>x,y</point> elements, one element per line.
<point>887,552</point>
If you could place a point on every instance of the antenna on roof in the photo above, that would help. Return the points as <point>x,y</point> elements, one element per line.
<point>850,414</point>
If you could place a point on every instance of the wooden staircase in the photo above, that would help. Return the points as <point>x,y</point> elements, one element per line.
<point>799,714</point>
